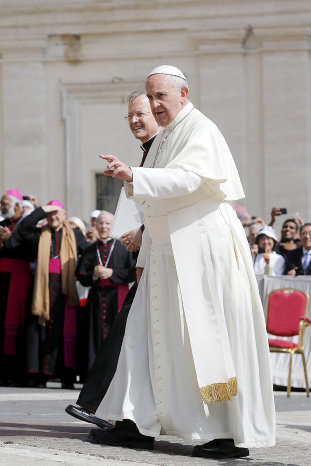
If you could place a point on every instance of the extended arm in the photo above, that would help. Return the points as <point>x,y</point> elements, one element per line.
<point>163,183</point>
<point>152,182</point>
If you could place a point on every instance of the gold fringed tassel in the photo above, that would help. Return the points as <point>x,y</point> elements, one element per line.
<point>219,391</point>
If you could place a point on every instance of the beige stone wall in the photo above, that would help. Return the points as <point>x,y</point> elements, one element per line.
<point>66,68</point>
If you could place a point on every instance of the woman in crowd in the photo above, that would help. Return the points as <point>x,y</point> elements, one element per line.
<point>267,261</point>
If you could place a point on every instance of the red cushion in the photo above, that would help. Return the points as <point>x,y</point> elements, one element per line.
<point>282,343</point>
<point>284,312</point>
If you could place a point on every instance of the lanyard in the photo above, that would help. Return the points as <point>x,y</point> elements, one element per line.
<point>109,255</point>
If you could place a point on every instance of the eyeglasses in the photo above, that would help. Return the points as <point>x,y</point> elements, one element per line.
<point>305,233</point>
<point>139,115</point>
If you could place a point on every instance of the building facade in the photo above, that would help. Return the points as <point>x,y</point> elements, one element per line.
<point>67,67</point>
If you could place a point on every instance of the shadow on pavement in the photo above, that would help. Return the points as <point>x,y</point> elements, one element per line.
<point>9,429</point>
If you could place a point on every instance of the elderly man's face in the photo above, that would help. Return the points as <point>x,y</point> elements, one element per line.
<point>103,225</point>
<point>6,204</point>
<point>140,118</point>
<point>305,237</point>
<point>56,219</point>
<point>25,209</point>
<point>253,231</point>
<point>165,99</point>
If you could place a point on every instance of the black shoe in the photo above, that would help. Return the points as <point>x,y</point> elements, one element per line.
<point>87,416</point>
<point>220,449</point>
<point>117,438</point>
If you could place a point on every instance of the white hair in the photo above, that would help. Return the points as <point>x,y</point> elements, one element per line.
<point>14,200</point>
<point>177,82</point>
<point>29,207</point>
<point>104,212</point>
<point>133,95</point>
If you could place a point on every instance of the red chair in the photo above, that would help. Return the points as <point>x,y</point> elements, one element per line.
<point>286,310</point>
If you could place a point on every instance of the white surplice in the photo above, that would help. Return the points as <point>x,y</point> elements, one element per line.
<point>197,316</point>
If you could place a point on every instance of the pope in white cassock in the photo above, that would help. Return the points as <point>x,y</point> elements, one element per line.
<point>195,358</point>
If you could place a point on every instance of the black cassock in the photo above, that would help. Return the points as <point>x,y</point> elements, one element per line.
<point>45,347</point>
<point>106,297</point>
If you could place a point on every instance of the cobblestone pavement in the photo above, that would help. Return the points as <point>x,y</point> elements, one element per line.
<point>34,429</point>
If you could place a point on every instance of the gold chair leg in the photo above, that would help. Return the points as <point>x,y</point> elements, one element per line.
<point>305,371</point>
<point>289,374</point>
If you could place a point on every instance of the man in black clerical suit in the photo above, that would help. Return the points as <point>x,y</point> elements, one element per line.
<point>107,268</point>
<point>51,329</point>
<point>299,260</point>
<point>144,127</point>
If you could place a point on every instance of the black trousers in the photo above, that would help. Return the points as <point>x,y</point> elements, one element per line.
<point>105,364</point>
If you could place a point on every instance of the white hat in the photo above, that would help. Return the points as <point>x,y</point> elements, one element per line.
<point>95,213</point>
<point>168,69</point>
<point>268,231</point>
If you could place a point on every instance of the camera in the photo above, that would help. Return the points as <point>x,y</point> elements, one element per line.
<point>283,210</point>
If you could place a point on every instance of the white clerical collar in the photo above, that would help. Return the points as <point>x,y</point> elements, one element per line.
<point>182,114</point>
<point>105,240</point>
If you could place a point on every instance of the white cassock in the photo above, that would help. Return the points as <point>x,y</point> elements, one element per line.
<point>195,359</point>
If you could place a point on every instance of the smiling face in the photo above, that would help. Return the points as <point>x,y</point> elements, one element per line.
<point>103,224</point>
<point>265,243</point>
<point>141,121</point>
<point>166,100</point>
<point>289,230</point>
<point>56,219</point>
<point>305,237</point>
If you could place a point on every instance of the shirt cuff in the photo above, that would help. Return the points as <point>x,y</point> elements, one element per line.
<point>128,188</point>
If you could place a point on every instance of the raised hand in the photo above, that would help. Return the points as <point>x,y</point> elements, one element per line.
<point>116,168</point>
<point>275,212</point>
<point>50,208</point>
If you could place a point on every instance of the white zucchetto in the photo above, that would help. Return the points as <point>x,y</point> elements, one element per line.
<point>168,69</point>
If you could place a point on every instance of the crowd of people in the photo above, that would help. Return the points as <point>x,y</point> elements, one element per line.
<point>286,254</point>
<point>62,282</point>
<point>54,330</point>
